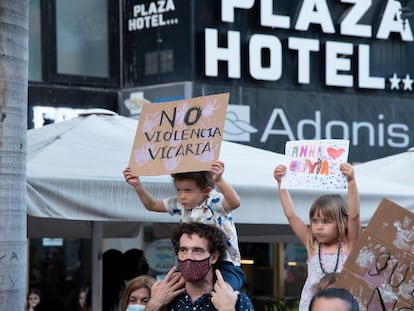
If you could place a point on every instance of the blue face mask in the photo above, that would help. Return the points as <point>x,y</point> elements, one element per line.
<point>135,308</point>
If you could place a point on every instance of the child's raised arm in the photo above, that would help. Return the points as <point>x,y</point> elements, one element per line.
<point>300,229</point>
<point>354,221</point>
<point>147,200</point>
<point>231,198</point>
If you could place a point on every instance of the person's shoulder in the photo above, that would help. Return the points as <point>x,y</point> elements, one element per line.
<point>172,204</point>
<point>244,303</point>
<point>215,196</point>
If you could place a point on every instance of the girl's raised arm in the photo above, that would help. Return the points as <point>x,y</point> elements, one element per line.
<point>300,229</point>
<point>354,220</point>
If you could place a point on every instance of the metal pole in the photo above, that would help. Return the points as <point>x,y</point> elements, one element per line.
<point>97,233</point>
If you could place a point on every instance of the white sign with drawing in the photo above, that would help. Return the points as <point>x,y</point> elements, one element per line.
<point>315,164</point>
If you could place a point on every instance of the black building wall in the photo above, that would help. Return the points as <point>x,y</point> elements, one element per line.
<point>294,69</point>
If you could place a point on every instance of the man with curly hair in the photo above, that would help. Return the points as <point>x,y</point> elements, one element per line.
<point>198,285</point>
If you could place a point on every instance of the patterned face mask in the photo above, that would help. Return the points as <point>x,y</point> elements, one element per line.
<point>194,270</point>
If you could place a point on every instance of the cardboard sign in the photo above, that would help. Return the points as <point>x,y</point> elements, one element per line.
<point>379,272</point>
<point>179,136</point>
<point>315,164</point>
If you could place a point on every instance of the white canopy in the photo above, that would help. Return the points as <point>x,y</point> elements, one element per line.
<point>396,168</point>
<point>74,172</point>
<point>74,176</point>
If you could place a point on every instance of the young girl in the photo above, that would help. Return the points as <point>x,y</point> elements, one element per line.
<point>333,230</point>
<point>33,299</point>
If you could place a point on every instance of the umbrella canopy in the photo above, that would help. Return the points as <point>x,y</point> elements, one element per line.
<point>396,168</point>
<point>74,172</point>
<point>74,176</point>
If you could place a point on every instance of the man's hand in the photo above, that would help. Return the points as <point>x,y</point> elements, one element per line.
<point>164,291</point>
<point>223,296</point>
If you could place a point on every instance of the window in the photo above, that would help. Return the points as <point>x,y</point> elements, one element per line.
<point>151,63</point>
<point>74,42</point>
<point>35,41</point>
<point>167,61</point>
<point>295,256</point>
<point>159,62</point>
<point>59,267</point>
<point>82,38</point>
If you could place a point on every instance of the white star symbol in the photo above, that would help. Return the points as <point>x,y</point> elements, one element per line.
<point>395,82</point>
<point>408,83</point>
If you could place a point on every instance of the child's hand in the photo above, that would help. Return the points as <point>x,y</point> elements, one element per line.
<point>348,171</point>
<point>217,168</point>
<point>278,173</point>
<point>133,181</point>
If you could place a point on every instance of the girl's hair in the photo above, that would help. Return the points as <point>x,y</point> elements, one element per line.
<point>136,283</point>
<point>134,263</point>
<point>333,207</point>
<point>203,179</point>
<point>35,291</point>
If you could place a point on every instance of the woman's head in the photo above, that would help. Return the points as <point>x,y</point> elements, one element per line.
<point>33,297</point>
<point>83,294</point>
<point>134,263</point>
<point>138,291</point>
<point>327,209</point>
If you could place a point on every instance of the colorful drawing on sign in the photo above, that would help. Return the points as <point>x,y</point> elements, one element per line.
<point>315,164</point>
<point>179,136</point>
<point>379,271</point>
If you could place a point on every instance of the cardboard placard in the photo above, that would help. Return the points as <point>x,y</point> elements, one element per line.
<point>314,164</point>
<point>379,271</point>
<point>179,136</point>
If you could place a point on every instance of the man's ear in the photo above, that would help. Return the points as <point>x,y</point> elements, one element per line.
<point>214,257</point>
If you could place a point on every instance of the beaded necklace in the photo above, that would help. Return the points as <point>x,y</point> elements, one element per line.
<point>337,258</point>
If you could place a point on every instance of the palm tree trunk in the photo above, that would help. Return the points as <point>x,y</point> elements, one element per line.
<point>13,127</point>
